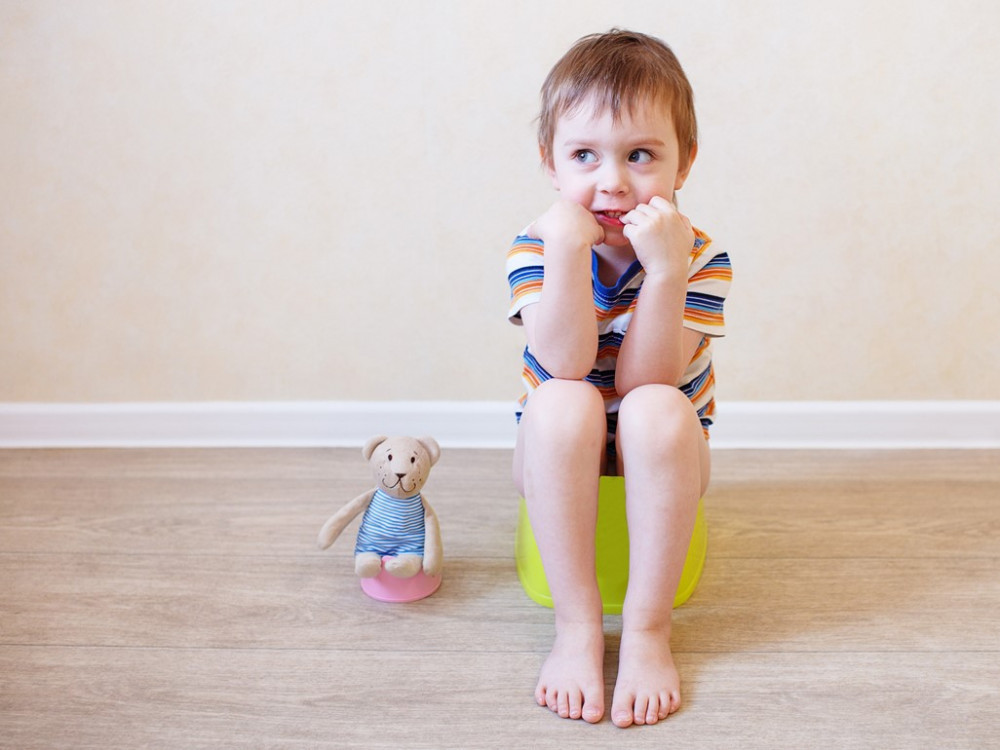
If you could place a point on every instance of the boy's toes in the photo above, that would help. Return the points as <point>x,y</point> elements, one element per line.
<point>570,704</point>
<point>622,718</point>
<point>669,703</point>
<point>545,697</point>
<point>562,705</point>
<point>622,712</point>
<point>592,714</point>
<point>654,711</point>
<point>660,707</point>
<point>641,711</point>
<point>575,706</point>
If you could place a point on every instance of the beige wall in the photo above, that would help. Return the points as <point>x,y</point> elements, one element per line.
<point>209,200</point>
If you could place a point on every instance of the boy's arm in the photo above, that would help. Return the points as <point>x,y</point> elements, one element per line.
<point>657,347</point>
<point>561,327</point>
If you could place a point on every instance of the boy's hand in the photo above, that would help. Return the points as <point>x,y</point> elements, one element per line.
<point>567,223</point>
<point>661,237</point>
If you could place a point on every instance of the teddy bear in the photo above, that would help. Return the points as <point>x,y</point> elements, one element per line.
<point>399,528</point>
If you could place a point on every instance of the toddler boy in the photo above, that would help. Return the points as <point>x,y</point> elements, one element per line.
<point>619,297</point>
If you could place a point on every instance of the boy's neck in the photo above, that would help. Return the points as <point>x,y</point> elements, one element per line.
<point>612,263</point>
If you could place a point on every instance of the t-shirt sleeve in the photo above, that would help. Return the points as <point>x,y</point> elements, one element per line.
<point>709,277</point>
<point>525,271</point>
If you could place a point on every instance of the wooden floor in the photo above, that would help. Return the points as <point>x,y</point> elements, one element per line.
<point>175,599</point>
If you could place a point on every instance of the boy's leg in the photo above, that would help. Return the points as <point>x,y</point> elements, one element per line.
<point>666,465</point>
<point>557,465</point>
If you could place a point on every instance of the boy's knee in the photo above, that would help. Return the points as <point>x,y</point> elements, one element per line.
<point>564,414</point>
<point>579,395</point>
<point>659,408</point>
<point>567,405</point>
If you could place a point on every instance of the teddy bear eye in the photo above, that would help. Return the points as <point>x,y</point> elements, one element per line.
<point>413,459</point>
<point>390,456</point>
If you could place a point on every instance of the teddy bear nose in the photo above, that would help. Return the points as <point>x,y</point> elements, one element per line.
<point>400,476</point>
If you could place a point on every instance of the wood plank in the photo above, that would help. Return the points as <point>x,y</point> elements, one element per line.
<point>128,501</point>
<point>213,601</point>
<point>912,518</point>
<point>193,698</point>
<point>277,506</point>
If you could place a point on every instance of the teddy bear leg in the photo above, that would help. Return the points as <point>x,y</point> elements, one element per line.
<point>367,564</point>
<point>404,566</point>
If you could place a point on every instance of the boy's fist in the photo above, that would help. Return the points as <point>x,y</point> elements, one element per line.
<point>661,236</point>
<point>567,223</point>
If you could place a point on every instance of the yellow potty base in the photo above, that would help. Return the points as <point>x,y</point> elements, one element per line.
<point>611,541</point>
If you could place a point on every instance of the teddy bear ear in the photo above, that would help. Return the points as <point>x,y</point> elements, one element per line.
<point>432,447</point>
<point>371,445</point>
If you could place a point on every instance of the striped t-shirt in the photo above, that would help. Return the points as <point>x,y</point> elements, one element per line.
<point>392,526</point>
<point>709,276</point>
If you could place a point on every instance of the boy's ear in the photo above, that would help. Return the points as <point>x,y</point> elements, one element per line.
<point>682,174</point>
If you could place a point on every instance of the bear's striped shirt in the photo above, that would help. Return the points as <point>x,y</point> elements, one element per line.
<point>392,526</point>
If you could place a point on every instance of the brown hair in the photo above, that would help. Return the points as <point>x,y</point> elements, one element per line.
<point>617,69</point>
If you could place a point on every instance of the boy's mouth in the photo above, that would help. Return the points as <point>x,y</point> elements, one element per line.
<point>610,218</point>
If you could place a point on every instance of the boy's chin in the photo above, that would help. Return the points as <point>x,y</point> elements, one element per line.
<point>615,238</point>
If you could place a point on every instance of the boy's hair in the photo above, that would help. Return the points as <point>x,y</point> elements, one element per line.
<point>616,70</point>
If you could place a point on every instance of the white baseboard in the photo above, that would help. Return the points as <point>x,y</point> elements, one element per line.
<point>857,424</point>
<point>484,424</point>
<point>481,424</point>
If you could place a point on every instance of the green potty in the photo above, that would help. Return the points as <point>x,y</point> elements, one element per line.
<point>611,541</point>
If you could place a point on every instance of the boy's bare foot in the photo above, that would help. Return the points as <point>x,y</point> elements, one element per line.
<point>571,682</point>
<point>648,688</point>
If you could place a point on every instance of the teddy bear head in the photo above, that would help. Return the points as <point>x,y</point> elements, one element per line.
<point>401,464</point>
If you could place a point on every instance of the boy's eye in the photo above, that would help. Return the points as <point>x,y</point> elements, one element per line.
<point>640,156</point>
<point>585,157</point>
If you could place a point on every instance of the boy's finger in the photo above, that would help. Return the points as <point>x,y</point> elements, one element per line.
<point>636,214</point>
<point>661,204</point>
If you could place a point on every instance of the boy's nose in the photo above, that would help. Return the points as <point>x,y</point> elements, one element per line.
<point>613,180</point>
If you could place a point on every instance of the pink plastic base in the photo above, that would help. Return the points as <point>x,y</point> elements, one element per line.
<point>385,587</point>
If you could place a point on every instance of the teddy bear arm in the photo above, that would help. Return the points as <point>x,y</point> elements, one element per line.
<point>433,552</point>
<point>336,524</point>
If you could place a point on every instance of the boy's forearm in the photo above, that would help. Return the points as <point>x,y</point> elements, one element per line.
<point>653,350</point>
<point>563,334</point>
<point>564,347</point>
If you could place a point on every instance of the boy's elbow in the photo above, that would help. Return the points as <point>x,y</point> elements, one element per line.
<point>568,369</point>
<point>624,386</point>
<point>573,363</point>
<point>571,374</point>
<point>626,382</point>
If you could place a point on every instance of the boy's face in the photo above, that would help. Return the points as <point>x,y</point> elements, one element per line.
<point>611,167</point>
